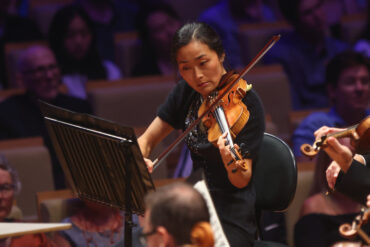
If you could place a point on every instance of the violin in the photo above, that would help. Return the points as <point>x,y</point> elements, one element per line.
<point>360,139</point>
<point>350,231</point>
<point>229,115</point>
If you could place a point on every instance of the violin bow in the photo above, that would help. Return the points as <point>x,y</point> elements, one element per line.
<point>251,64</point>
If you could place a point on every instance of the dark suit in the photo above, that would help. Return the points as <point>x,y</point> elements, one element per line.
<point>356,182</point>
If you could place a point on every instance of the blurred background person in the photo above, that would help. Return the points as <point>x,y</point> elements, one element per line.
<point>13,28</point>
<point>73,40</point>
<point>20,115</point>
<point>348,86</point>
<point>109,17</point>
<point>363,43</point>
<point>226,16</point>
<point>93,224</point>
<point>157,22</point>
<point>9,187</point>
<point>304,52</point>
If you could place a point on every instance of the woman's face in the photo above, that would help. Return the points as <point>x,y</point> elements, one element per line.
<point>200,67</point>
<point>161,28</point>
<point>6,194</point>
<point>78,39</point>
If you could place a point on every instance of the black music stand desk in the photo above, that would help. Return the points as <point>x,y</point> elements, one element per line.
<point>102,161</point>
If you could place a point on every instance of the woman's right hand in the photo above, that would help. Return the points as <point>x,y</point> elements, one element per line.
<point>149,164</point>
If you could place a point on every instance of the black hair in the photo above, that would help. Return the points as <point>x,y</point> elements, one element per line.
<point>91,65</point>
<point>4,165</point>
<point>198,31</point>
<point>342,61</point>
<point>289,10</point>
<point>177,205</point>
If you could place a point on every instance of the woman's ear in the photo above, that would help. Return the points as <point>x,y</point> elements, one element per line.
<point>222,58</point>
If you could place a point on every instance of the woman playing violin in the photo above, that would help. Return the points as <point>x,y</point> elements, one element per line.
<point>199,56</point>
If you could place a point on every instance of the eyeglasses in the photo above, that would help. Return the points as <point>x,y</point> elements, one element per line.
<point>41,70</point>
<point>144,235</point>
<point>6,189</point>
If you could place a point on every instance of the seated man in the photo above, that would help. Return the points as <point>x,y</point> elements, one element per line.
<point>348,85</point>
<point>20,115</point>
<point>176,215</point>
<point>9,186</point>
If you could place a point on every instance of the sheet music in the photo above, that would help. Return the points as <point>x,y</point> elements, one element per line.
<point>218,232</point>
<point>18,229</point>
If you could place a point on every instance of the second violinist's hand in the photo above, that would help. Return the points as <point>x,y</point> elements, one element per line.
<point>149,164</point>
<point>337,151</point>
<point>368,201</point>
<point>332,173</point>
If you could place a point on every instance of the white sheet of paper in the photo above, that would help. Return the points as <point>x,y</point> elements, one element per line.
<point>18,229</point>
<point>218,232</point>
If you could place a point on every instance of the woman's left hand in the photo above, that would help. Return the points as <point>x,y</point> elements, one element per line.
<point>239,172</point>
<point>224,149</point>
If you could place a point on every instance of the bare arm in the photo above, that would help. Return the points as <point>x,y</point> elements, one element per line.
<point>237,176</point>
<point>153,135</point>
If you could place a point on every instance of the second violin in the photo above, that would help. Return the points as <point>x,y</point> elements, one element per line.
<point>360,139</point>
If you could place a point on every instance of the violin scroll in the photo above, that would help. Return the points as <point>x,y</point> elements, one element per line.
<point>359,134</point>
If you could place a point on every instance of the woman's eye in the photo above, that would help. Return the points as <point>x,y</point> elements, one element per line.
<point>203,62</point>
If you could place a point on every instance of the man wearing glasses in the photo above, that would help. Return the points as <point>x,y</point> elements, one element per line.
<point>20,115</point>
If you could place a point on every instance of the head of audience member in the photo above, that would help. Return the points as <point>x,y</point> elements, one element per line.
<point>249,10</point>
<point>9,186</point>
<point>173,214</point>
<point>73,40</point>
<point>39,72</point>
<point>157,23</point>
<point>4,7</point>
<point>348,83</point>
<point>307,17</point>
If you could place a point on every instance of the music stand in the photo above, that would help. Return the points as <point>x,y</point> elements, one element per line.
<point>101,160</point>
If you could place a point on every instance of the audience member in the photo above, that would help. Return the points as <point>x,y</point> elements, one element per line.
<point>20,115</point>
<point>335,10</point>
<point>13,28</point>
<point>321,215</point>
<point>363,44</point>
<point>304,52</point>
<point>109,17</point>
<point>73,40</point>
<point>156,23</point>
<point>93,225</point>
<point>9,187</point>
<point>226,16</point>
<point>348,81</point>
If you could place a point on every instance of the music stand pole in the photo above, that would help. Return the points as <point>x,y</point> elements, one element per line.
<point>128,212</point>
